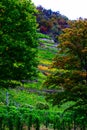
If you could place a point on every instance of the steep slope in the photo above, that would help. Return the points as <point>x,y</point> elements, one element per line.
<point>50,22</point>
<point>31,92</point>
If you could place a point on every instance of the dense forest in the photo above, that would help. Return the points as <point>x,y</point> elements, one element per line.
<point>43,69</point>
<point>50,22</point>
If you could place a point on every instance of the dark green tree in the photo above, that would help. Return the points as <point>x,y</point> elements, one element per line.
<point>18,41</point>
<point>70,62</point>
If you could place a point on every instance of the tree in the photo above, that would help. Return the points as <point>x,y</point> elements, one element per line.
<point>71,66</point>
<point>51,22</point>
<point>18,41</point>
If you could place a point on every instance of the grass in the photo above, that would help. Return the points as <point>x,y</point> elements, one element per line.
<point>46,54</point>
<point>40,35</point>
<point>22,96</point>
<point>46,41</point>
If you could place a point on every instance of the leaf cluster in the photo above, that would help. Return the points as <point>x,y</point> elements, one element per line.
<point>72,60</point>
<point>18,40</point>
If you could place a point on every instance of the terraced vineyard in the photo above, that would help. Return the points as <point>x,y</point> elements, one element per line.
<point>32,92</point>
<point>25,107</point>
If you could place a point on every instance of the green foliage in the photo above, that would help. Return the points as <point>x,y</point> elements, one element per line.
<point>42,106</point>
<point>41,35</point>
<point>18,41</point>
<point>46,54</point>
<point>17,117</point>
<point>20,97</point>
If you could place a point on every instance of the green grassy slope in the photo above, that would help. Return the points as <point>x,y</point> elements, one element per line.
<point>28,93</point>
<point>31,93</point>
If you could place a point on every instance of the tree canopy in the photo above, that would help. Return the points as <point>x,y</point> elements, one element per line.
<point>71,66</point>
<point>18,41</point>
<point>50,22</point>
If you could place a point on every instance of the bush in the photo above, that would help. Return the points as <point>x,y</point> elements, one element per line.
<point>42,106</point>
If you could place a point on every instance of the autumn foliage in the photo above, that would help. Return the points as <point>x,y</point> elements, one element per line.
<point>50,22</point>
<point>72,60</point>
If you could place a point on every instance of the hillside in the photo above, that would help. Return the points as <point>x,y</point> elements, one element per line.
<point>50,22</point>
<point>43,75</point>
<point>26,103</point>
<point>31,92</point>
